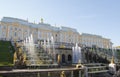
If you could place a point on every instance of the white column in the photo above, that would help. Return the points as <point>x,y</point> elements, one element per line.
<point>72,74</point>
<point>86,71</point>
<point>28,31</point>
<point>38,35</point>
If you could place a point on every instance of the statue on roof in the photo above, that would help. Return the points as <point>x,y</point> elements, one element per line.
<point>41,20</point>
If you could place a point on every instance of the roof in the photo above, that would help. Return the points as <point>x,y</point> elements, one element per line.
<point>26,23</point>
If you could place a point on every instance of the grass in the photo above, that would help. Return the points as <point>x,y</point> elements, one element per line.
<point>6,64</point>
<point>6,57</point>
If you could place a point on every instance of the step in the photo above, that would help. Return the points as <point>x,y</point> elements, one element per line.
<point>101,71</point>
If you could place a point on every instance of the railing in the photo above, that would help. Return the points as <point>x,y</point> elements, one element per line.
<point>98,69</point>
<point>85,71</point>
<point>61,72</point>
<point>60,45</point>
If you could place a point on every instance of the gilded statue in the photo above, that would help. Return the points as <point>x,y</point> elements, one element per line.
<point>62,74</point>
<point>19,57</point>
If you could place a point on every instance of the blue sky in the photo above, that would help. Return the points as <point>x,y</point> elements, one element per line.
<point>100,17</point>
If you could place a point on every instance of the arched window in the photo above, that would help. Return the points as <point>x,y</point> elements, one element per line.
<point>56,57</point>
<point>69,57</point>
<point>63,58</point>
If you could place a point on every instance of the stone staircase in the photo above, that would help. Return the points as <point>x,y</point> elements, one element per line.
<point>97,56</point>
<point>44,56</point>
<point>96,70</point>
<point>41,57</point>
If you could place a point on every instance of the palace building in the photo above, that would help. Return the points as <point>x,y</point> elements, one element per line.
<point>17,29</point>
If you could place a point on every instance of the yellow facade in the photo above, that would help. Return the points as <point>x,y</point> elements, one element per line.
<point>17,29</point>
<point>95,40</point>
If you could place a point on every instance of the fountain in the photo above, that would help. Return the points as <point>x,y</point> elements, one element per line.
<point>44,45</point>
<point>39,54</point>
<point>53,48</point>
<point>48,46</point>
<point>77,57</point>
<point>30,50</point>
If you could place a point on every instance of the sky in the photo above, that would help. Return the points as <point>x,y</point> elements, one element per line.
<point>99,17</point>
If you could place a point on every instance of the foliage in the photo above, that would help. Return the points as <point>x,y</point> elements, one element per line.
<point>6,53</point>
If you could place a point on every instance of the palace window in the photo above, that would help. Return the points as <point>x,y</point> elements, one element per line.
<point>4,27</point>
<point>19,29</point>
<point>15,28</point>
<point>11,28</point>
<point>15,34</point>
<point>56,35</point>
